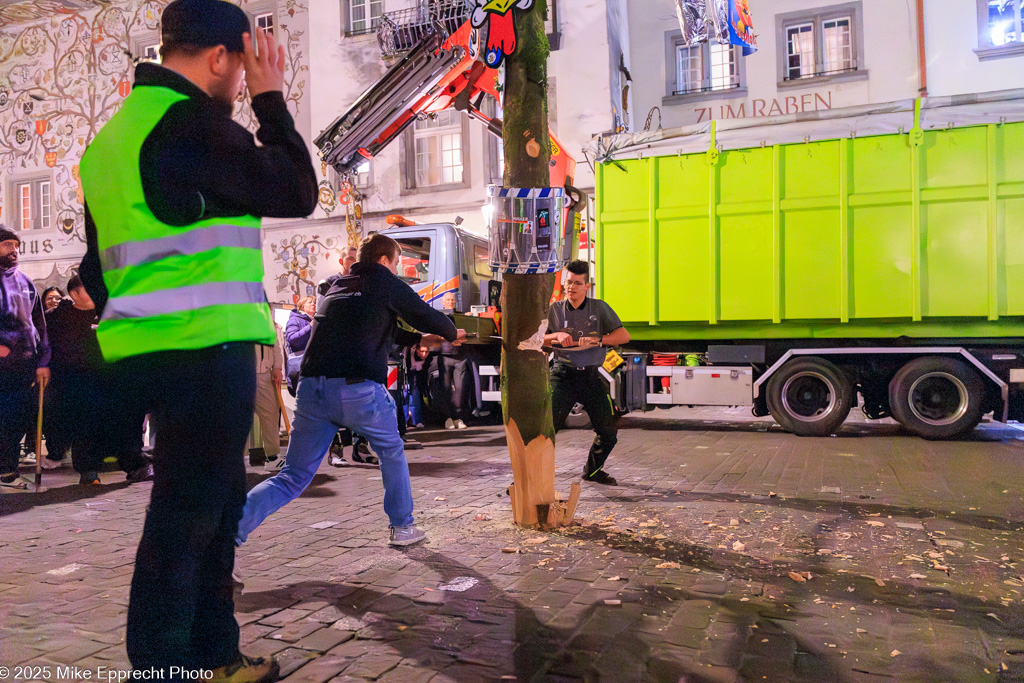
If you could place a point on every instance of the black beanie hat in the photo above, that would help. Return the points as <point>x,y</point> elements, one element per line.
<point>204,23</point>
<point>6,234</point>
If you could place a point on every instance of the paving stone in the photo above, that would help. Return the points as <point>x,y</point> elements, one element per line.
<point>324,639</point>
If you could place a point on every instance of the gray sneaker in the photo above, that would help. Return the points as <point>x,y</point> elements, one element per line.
<point>406,535</point>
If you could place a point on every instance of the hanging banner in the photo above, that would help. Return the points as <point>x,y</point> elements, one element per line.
<point>741,27</point>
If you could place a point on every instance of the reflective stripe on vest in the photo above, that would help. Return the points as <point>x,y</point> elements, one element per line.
<point>183,299</point>
<point>189,243</point>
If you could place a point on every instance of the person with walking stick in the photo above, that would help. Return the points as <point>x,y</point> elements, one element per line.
<point>24,359</point>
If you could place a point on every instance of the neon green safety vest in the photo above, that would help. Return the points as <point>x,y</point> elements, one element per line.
<point>170,287</point>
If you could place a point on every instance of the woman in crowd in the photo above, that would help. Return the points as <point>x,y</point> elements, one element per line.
<point>52,296</point>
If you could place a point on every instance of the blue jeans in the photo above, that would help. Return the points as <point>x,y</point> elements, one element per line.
<point>321,407</point>
<point>416,406</point>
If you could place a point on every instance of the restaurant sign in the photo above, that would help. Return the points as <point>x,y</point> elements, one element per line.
<point>760,108</point>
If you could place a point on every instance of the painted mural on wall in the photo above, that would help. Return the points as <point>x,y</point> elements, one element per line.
<point>65,69</point>
<point>296,261</point>
<point>62,78</point>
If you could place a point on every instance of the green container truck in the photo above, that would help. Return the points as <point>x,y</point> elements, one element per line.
<point>870,256</point>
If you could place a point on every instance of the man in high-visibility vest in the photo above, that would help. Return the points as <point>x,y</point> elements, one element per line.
<point>174,193</point>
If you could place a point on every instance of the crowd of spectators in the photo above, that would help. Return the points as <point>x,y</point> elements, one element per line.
<point>90,415</point>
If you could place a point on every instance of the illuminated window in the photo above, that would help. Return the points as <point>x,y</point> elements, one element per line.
<point>690,68</point>
<point>438,149</point>
<point>820,42</point>
<point>705,68</point>
<point>1001,25</point>
<point>800,51</point>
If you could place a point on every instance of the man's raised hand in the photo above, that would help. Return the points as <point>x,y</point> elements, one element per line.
<point>263,72</point>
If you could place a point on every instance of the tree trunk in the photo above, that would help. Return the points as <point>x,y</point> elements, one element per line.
<point>525,394</point>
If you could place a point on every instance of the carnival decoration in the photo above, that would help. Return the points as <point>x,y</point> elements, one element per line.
<point>494,18</point>
<point>51,159</point>
<point>326,197</point>
<point>530,229</point>
<point>727,22</point>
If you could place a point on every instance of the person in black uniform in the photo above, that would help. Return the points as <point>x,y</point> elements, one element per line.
<point>579,327</point>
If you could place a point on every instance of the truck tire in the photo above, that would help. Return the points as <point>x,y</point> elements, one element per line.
<point>810,397</point>
<point>578,418</point>
<point>937,397</point>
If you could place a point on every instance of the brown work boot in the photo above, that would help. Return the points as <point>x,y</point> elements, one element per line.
<point>247,670</point>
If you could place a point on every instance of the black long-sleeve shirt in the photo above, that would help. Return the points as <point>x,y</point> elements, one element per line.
<point>354,330</point>
<point>198,163</point>
<point>73,339</point>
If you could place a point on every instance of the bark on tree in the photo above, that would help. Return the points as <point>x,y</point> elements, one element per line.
<point>525,394</point>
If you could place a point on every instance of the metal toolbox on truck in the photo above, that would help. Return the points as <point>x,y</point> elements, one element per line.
<point>705,385</point>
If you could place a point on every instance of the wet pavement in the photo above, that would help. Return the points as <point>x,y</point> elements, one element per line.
<point>729,551</point>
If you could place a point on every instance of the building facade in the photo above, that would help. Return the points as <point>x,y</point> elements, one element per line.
<point>615,66</point>
<point>816,55</point>
<point>439,168</point>
<point>65,68</point>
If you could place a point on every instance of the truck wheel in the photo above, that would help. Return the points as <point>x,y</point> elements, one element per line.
<point>937,397</point>
<point>578,418</point>
<point>810,397</point>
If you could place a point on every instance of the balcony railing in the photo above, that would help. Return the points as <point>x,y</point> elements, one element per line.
<point>400,30</point>
<point>821,72</point>
<point>705,88</point>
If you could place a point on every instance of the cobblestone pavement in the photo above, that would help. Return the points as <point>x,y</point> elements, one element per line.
<point>693,568</point>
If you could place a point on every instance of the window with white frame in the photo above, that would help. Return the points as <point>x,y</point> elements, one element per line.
<point>265,22</point>
<point>820,43</point>
<point>146,48</point>
<point>799,51</point>
<point>364,15</point>
<point>1000,24</point>
<point>33,204</point>
<point>362,177</point>
<point>437,147</point>
<point>493,144</point>
<point>705,68</point>
<point>724,67</point>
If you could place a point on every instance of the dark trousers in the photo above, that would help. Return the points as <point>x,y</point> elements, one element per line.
<point>100,417</point>
<point>55,423</point>
<point>181,609</point>
<point>571,385</point>
<point>18,403</point>
<point>450,381</point>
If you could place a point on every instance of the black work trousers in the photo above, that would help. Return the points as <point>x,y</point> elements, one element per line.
<point>19,401</point>
<point>181,609</point>
<point>571,385</point>
<point>97,419</point>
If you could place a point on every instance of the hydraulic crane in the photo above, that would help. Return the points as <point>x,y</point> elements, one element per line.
<point>436,67</point>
